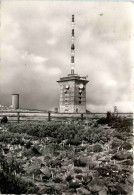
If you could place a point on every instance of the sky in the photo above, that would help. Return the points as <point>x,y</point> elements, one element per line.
<point>35,52</point>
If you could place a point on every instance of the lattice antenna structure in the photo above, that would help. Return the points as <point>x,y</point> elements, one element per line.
<point>72,46</point>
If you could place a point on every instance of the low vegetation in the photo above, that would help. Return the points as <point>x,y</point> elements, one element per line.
<point>74,157</point>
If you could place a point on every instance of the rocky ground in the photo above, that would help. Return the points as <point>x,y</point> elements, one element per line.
<point>82,158</point>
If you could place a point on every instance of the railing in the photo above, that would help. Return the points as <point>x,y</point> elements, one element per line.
<point>18,115</point>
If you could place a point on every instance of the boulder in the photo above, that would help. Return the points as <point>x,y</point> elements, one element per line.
<point>46,172</point>
<point>74,184</point>
<point>83,191</point>
<point>103,192</point>
<point>117,189</point>
<point>121,156</point>
<point>96,185</point>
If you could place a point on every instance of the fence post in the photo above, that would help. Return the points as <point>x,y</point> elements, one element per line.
<point>49,116</point>
<point>18,117</point>
<point>82,116</point>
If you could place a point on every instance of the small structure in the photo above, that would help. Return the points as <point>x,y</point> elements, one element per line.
<point>15,101</point>
<point>56,110</point>
<point>115,111</point>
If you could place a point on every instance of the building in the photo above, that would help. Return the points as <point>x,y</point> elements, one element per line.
<point>15,101</point>
<point>72,87</point>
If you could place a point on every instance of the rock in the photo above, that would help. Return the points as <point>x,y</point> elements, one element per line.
<point>56,163</point>
<point>74,184</point>
<point>104,159</point>
<point>121,156</point>
<point>57,179</point>
<point>70,191</point>
<point>117,190</point>
<point>87,179</point>
<point>96,185</point>
<point>92,165</point>
<point>83,191</point>
<point>46,172</point>
<point>95,188</point>
<point>103,192</point>
<point>59,157</point>
<point>80,148</point>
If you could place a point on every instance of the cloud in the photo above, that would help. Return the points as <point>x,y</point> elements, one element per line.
<point>51,41</point>
<point>35,51</point>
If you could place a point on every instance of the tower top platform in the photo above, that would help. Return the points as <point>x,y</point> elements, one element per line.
<point>75,77</point>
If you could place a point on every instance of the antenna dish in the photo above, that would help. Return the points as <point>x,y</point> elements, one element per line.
<point>67,86</point>
<point>81,86</point>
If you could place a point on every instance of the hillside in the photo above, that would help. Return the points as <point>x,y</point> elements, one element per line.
<point>72,157</point>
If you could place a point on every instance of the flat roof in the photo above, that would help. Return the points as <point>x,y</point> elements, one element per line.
<point>71,77</point>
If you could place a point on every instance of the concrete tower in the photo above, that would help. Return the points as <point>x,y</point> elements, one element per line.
<point>72,87</point>
<point>15,101</point>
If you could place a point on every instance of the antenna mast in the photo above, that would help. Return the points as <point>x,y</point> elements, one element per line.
<point>72,47</point>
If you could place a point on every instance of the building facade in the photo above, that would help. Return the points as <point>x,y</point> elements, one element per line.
<point>72,94</point>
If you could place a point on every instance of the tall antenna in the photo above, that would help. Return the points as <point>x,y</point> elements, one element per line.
<point>72,47</point>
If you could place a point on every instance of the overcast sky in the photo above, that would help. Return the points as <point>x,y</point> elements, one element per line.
<point>35,52</point>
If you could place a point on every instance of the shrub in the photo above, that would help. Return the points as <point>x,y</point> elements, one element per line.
<point>79,162</point>
<point>57,180</point>
<point>97,148</point>
<point>127,146</point>
<point>109,116</point>
<point>116,143</point>
<point>103,171</point>
<point>28,145</point>
<point>36,150</point>
<point>76,170</point>
<point>2,137</point>
<point>69,178</point>
<point>102,121</point>
<point>119,136</point>
<point>74,142</point>
<point>80,177</point>
<point>92,165</point>
<point>4,119</point>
